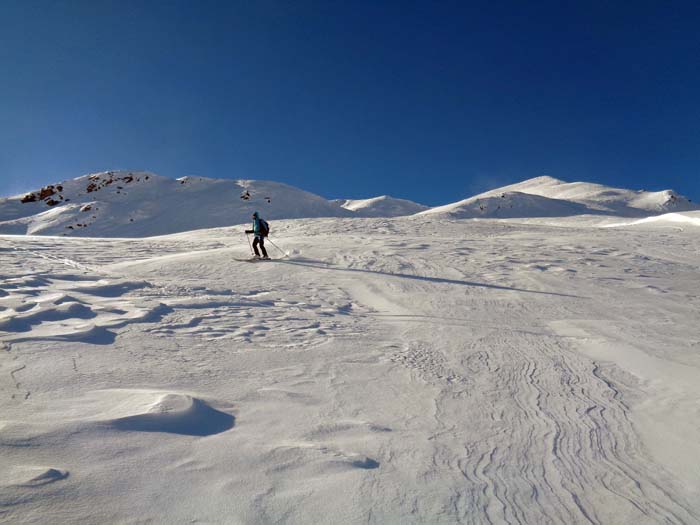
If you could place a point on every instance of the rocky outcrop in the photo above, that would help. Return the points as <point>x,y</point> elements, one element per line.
<point>102,180</point>
<point>45,194</point>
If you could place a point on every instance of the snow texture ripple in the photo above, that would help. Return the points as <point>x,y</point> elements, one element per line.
<point>410,370</point>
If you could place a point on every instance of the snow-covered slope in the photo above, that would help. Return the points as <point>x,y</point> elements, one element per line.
<point>384,206</point>
<point>508,205</point>
<point>414,371</point>
<point>675,220</point>
<point>550,197</point>
<point>139,204</point>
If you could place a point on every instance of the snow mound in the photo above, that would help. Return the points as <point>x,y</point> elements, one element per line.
<point>549,197</point>
<point>173,413</point>
<point>141,204</point>
<point>33,476</point>
<point>383,206</point>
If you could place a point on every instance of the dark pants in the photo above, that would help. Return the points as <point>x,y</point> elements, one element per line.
<point>261,242</point>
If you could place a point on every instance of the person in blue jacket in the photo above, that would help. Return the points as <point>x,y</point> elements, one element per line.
<point>260,230</point>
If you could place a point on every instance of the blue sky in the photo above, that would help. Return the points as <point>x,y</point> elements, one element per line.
<point>431,101</point>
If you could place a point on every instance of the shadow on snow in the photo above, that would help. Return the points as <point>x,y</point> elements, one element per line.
<point>439,280</point>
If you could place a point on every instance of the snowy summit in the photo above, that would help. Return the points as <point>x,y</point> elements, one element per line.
<point>140,204</point>
<point>383,206</point>
<point>549,197</point>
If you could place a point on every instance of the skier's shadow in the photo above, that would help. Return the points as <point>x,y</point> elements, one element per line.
<point>440,280</point>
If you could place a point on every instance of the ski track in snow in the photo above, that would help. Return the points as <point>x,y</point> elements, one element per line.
<point>421,372</point>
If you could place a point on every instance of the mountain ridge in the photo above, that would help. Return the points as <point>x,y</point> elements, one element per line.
<point>382,206</point>
<point>143,204</point>
<point>546,196</point>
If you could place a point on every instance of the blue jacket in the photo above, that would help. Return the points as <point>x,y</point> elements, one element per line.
<point>258,229</point>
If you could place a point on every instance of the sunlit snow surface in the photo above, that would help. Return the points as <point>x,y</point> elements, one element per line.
<point>141,204</point>
<point>414,370</point>
<point>669,219</point>
<point>383,206</point>
<point>550,197</point>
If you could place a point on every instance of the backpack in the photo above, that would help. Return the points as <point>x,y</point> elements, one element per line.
<point>264,227</point>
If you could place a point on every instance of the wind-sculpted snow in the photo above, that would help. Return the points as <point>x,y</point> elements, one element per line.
<point>415,370</point>
<point>153,411</point>
<point>101,416</point>
<point>67,307</point>
<point>106,412</point>
<point>549,405</point>
<point>34,476</point>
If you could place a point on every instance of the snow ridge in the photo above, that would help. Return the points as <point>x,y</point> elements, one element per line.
<point>383,206</point>
<point>549,197</point>
<point>141,204</point>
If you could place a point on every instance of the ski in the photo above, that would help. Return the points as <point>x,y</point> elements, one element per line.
<point>252,259</point>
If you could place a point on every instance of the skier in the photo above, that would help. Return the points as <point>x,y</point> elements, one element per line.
<point>260,230</point>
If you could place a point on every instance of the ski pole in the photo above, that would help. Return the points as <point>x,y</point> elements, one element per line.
<point>249,245</point>
<point>280,249</point>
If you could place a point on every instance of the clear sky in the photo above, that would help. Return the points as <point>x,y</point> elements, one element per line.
<point>431,101</point>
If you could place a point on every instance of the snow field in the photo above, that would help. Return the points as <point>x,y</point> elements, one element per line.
<point>393,371</point>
